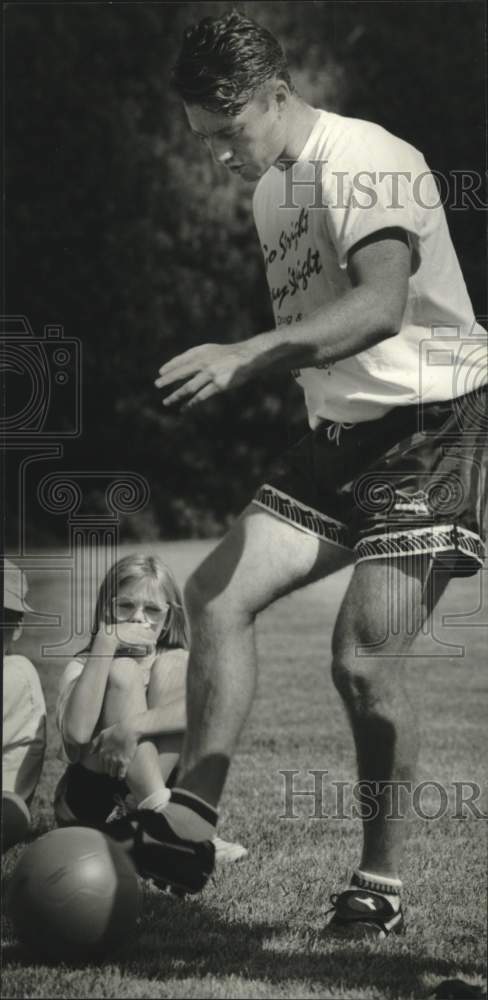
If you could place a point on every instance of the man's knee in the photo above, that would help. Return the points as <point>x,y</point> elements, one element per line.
<point>210,597</point>
<point>367,684</point>
<point>354,680</point>
<point>125,673</point>
<point>196,594</point>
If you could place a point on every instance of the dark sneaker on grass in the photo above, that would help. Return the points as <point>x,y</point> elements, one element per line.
<point>16,821</point>
<point>359,913</point>
<point>184,866</point>
<point>457,989</point>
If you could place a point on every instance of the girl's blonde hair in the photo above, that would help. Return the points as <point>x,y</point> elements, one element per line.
<point>133,568</point>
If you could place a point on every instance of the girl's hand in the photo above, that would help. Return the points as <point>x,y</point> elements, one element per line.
<point>107,637</point>
<point>132,638</point>
<point>115,748</point>
<point>135,634</point>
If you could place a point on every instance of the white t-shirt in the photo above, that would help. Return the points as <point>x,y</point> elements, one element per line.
<point>348,182</point>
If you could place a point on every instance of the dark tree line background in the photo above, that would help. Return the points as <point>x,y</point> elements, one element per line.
<point>119,227</point>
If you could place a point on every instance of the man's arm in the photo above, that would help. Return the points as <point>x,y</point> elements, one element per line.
<point>369,312</point>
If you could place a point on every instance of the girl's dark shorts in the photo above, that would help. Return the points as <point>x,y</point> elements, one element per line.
<point>87,799</point>
<point>412,482</point>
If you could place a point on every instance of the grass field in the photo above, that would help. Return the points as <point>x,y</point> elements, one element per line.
<point>257,931</point>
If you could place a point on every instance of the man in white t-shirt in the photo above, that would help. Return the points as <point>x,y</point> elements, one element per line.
<point>374,320</point>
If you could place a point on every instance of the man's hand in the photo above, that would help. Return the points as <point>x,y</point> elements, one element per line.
<point>115,748</point>
<point>207,371</point>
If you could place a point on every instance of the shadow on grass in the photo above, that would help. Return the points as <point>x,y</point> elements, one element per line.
<point>185,939</point>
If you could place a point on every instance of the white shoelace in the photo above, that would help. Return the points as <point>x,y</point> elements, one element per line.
<point>334,431</point>
<point>119,810</point>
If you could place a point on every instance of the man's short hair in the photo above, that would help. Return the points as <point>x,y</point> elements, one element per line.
<point>224,61</point>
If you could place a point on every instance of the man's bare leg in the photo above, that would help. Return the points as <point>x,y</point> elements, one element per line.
<point>262,558</point>
<point>382,611</point>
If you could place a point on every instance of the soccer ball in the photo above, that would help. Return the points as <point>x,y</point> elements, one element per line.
<point>74,894</point>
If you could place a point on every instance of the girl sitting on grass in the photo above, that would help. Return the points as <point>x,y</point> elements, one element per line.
<point>121,704</point>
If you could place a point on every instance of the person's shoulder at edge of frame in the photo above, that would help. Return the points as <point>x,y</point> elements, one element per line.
<point>17,661</point>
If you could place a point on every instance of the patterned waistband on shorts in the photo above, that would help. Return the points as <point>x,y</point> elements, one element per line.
<point>301,516</point>
<point>434,539</point>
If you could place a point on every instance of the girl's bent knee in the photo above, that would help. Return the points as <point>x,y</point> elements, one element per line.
<point>125,673</point>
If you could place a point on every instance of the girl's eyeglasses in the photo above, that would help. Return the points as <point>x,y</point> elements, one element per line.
<point>123,610</point>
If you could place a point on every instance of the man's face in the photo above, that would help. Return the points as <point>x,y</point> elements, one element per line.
<point>247,144</point>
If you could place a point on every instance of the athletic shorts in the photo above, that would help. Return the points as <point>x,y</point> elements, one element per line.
<point>412,482</point>
<point>84,798</point>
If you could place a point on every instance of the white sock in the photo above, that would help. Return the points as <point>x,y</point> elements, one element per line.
<point>157,801</point>
<point>191,817</point>
<point>387,886</point>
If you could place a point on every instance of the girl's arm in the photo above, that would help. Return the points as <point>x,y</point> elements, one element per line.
<point>85,702</point>
<point>117,744</point>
